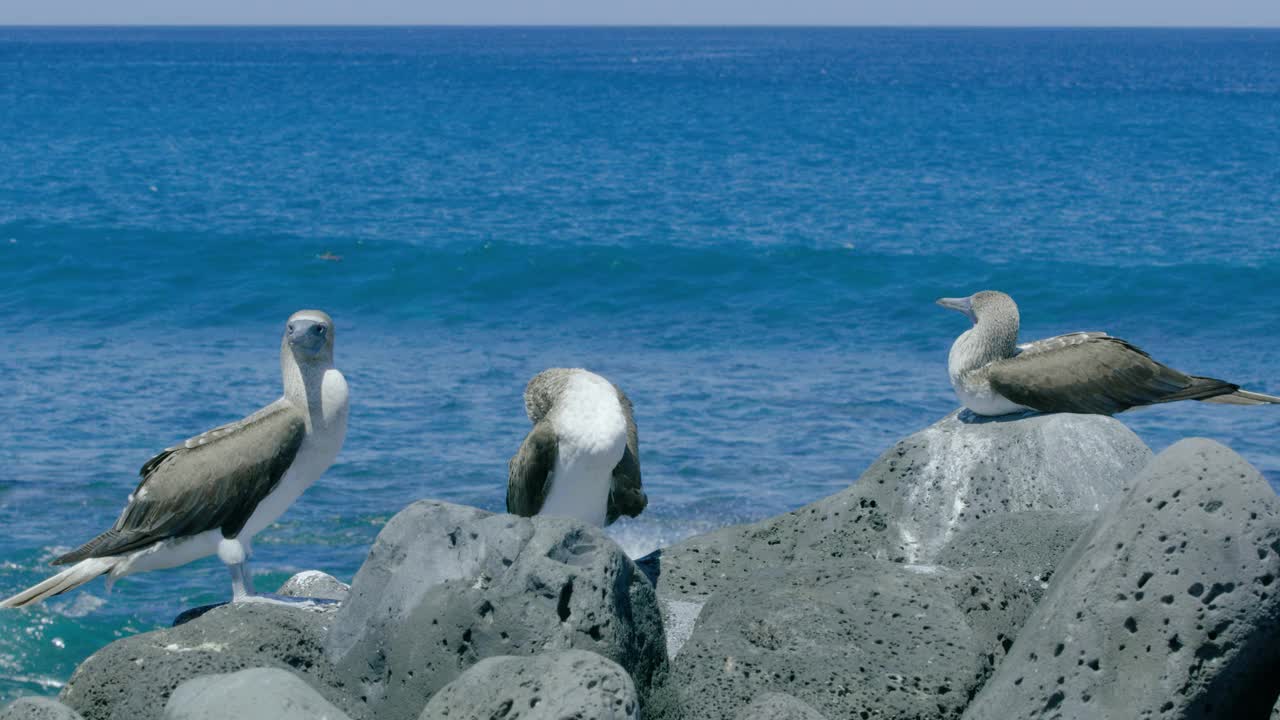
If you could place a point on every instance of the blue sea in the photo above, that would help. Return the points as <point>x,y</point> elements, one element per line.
<point>743,228</point>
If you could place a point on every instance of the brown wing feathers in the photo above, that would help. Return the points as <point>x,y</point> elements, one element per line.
<point>212,481</point>
<point>1098,375</point>
<point>625,495</point>
<point>529,469</point>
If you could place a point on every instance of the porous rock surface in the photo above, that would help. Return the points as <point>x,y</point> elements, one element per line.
<point>132,678</point>
<point>253,694</point>
<point>314,584</point>
<point>38,708</point>
<point>919,495</point>
<point>777,706</point>
<point>1030,545</point>
<point>446,586</point>
<point>1168,609</point>
<point>554,686</point>
<point>859,638</point>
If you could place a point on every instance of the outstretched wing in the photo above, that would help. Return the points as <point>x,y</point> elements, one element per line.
<point>211,481</point>
<point>1093,373</point>
<point>625,495</point>
<point>529,469</point>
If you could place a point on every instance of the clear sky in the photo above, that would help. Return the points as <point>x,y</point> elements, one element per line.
<point>646,12</point>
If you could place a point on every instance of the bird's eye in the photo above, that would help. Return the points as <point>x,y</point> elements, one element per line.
<point>320,330</point>
<point>290,328</point>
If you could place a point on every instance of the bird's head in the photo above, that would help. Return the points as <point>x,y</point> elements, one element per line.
<point>985,304</point>
<point>309,336</point>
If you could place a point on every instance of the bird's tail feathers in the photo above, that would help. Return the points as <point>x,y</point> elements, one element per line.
<point>1200,388</point>
<point>1244,397</point>
<point>69,579</point>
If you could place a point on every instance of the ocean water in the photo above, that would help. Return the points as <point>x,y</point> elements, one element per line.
<point>744,228</point>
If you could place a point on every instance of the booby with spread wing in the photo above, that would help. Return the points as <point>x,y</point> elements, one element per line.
<point>582,457</point>
<point>1083,372</point>
<point>211,494</point>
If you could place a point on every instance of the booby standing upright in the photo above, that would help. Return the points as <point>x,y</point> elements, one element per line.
<point>582,457</point>
<point>213,493</point>
<point>1082,372</point>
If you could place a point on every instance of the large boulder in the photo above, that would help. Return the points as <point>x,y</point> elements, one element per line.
<point>254,694</point>
<point>860,636</point>
<point>566,684</point>
<point>132,678</point>
<point>1168,608</point>
<point>38,708</point>
<point>777,706</point>
<point>446,586</point>
<point>919,495</point>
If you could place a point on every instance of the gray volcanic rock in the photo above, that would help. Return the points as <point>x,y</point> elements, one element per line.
<point>1029,544</point>
<point>38,708</point>
<point>777,706</point>
<point>446,586</point>
<point>920,494</point>
<point>315,584</point>
<point>1275,711</point>
<point>1169,608</point>
<point>566,684</point>
<point>254,694</point>
<point>890,640</point>
<point>132,678</point>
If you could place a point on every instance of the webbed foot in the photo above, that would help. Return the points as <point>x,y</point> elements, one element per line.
<point>303,603</point>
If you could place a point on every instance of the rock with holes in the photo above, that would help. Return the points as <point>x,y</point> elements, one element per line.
<point>132,678</point>
<point>777,706</point>
<point>554,686</point>
<point>920,495</point>
<point>315,584</point>
<point>446,586</point>
<point>859,636</point>
<point>1168,608</point>
<point>38,708</point>
<point>254,694</point>
<point>1028,544</point>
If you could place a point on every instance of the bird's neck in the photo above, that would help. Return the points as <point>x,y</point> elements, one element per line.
<point>303,385</point>
<point>990,339</point>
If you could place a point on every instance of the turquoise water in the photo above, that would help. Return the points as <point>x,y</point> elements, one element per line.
<point>743,228</point>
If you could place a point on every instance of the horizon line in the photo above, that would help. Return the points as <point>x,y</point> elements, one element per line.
<point>624,26</point>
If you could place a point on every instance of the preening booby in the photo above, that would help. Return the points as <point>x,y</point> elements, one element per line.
<point>1082,372</point>
<point>582,457</point>
<point>211,494</point>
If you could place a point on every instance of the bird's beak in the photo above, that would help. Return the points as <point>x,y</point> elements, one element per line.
<point>962,305</point>
<point>301,334</point>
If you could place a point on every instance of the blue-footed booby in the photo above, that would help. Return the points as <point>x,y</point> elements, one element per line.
<point>1081,372</point>
<point>582,457</point>
<point>212,493</point>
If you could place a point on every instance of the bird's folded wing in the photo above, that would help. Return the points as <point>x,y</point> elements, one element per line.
<point>625,495</point>
<point>1059,341</point>
<point>1098,374</point>
<point>211,481</point>
<point>530,469</point>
